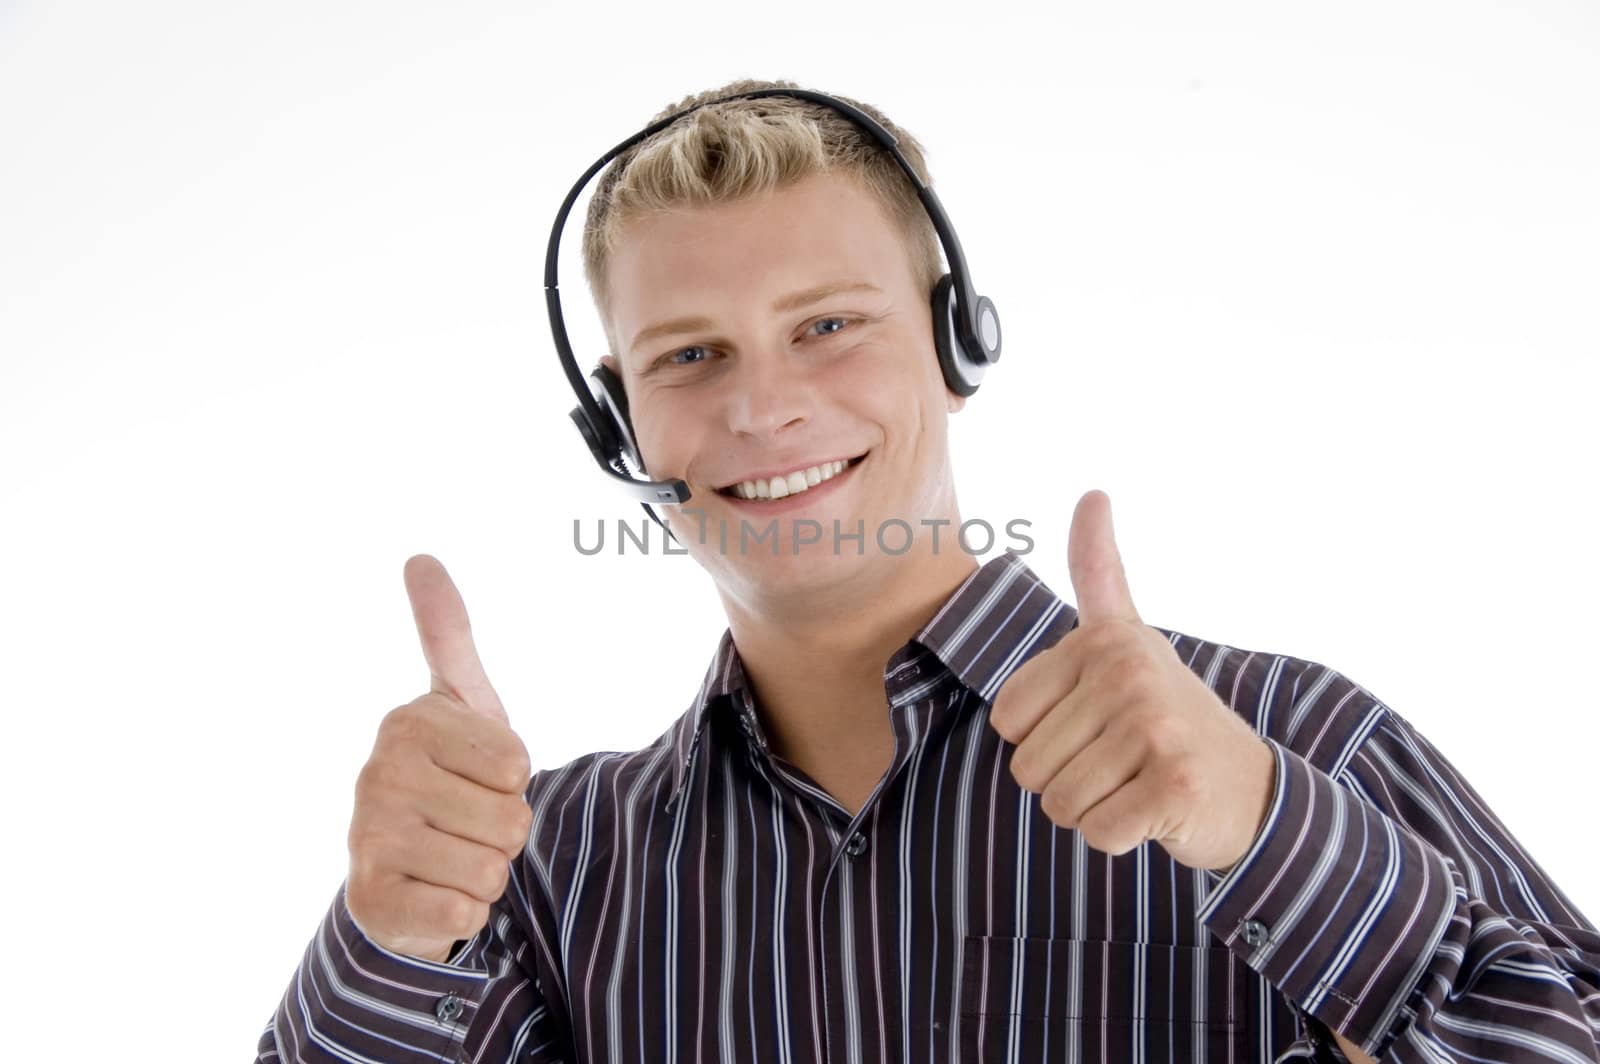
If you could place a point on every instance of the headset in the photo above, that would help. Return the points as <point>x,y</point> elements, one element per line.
<point>966,327</point>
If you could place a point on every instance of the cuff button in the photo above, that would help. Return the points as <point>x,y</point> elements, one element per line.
<point>1255,932</point>
<point>448,1009</point>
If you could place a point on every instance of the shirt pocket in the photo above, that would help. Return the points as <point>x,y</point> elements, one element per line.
<point>1036,997</point>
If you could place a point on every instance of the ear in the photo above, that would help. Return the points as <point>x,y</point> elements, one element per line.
<point>954,402</point>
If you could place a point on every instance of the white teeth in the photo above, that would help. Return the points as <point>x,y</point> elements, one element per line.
<point>789,484</point>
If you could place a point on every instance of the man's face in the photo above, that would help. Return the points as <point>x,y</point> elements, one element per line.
<point>762,337</point>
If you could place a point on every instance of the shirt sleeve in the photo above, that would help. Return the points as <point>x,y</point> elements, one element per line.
<point>1390,904</point>
<point>353,1000</point>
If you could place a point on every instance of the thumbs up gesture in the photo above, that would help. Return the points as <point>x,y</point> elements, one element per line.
<point>1120,739</point>
<point>439,808</point>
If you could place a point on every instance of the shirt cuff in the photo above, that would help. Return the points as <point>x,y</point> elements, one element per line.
<point>357,997</point>
<point>1337,905</point>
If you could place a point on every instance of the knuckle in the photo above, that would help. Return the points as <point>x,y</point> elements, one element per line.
<point>364,782</point>
<point>377,909</point>
<point>448,912</point>
<point>377,776</point>
<point>459,915</point>
<point>1105,834</point>
<point>504,775</point>
<point>1128,672</point>
<point>373,851</point>
<point>1161,734</point>
<point>1004,726</point>
<point>1101,640</point>
<point>512,766</point>
<point>1185,779</point>
<point>401,724</point>
<point>363,841</point>
<point>1026,773</point>
<point>1053,802</point>
<point>519,824</point>
<point>355,840</point>
<point>383,779</point>
<point>516,751</point>
<point>487,876</point>
<point>521,764</point>
<point>474,915</point>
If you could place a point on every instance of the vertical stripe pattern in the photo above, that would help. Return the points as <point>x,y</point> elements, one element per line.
<point>700,899</point>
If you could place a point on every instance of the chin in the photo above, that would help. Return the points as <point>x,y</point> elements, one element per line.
<point>760,567</point>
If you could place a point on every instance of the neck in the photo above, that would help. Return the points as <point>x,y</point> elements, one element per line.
<point>815,660</point>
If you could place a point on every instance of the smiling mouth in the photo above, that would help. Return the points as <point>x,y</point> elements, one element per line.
<point>795,482</point>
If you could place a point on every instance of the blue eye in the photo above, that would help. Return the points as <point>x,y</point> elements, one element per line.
<point>674,358</point>
<point>823,321</point>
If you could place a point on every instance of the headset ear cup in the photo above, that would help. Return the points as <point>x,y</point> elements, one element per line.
<point>602,446</point>
<point>613,400</point>
<point>961,372</point>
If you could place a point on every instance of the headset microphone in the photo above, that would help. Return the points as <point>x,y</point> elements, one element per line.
<point>966,326</point>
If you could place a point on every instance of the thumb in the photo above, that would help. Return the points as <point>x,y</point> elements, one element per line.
<point>446,636</point>
<point>1098,578</point>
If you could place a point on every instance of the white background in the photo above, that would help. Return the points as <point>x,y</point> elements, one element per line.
<point>1310,293</point>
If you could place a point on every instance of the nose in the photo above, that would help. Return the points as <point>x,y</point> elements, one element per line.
<point>769,395</point>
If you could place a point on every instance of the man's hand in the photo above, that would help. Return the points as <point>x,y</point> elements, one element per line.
<point>1119,737</point>
<point>1122,739</point>
<point>439,806</point>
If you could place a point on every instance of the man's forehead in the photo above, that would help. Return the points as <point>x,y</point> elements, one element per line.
<point>821,201</point>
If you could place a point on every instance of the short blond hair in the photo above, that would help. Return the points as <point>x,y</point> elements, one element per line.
<point>739,148</point>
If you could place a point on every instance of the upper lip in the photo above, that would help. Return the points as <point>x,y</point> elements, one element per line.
<point>785,469</point>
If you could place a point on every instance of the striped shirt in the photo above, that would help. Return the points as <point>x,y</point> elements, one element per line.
<point>704,899</point>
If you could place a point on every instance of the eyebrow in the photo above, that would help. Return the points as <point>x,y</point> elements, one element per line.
<point>793,301</point>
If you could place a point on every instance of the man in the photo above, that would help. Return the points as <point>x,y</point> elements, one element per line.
<point>920,809</point>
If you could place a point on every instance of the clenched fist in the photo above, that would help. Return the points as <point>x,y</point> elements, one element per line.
<point>439,808</point>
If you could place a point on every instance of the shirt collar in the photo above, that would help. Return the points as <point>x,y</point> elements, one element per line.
<point>999,617</point>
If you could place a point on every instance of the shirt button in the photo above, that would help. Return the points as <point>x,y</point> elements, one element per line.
<point>448,1009</point>
<point>857,845</point>
<point>1255,932</point>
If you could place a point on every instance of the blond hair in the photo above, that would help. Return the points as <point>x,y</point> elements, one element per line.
<point>739,148</point>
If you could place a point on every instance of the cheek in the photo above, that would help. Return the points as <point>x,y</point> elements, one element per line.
<point>902,382</point>
<point>665,424</point>
<point>893,367</point>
